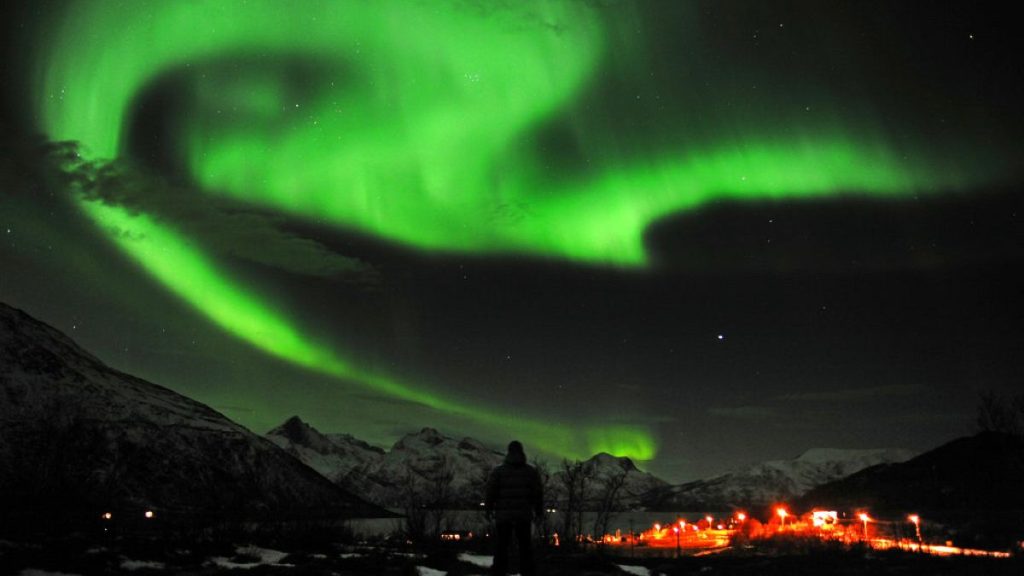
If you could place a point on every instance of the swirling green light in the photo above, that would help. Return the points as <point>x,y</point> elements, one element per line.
<point>184,269</point>
<point>423,139</point>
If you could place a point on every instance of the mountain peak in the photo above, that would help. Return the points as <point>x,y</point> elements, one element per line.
<point>428,432</point>
<point>295,430</point>
<point>427,436</point>
<point>294,421</point>
<point>606,459</point>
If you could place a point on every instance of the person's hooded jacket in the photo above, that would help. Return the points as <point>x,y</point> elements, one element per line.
<point>514,489</point>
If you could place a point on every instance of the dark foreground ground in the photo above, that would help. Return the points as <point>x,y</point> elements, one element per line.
<point>156,557</point>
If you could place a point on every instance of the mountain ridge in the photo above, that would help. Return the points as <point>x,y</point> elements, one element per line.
<point>78,437</point>
<point>763,484</point>
<point>421,456</point>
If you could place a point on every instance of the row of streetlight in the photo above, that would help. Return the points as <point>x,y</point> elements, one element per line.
<point>862,516</point>
<point>148,514</point>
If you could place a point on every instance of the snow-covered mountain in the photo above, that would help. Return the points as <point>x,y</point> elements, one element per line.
<point>78,437</point>
<point>772,481</point>
<point>419,459</point>
<point>601,471</point>
<point>341,458</point>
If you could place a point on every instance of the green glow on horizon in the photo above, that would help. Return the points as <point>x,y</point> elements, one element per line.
<point>422,139</point>
<point>182,267</point>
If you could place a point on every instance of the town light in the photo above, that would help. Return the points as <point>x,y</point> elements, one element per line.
<point>709,519</point>
<point>148,514</point>
<point>107,516</point>
<point>782,514</point>
<point>917,525</point>
<point>741,516</point>
<point>824,519</point>
<point>865,519</point>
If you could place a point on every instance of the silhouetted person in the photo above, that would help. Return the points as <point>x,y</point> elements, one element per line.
<point>514,497</point>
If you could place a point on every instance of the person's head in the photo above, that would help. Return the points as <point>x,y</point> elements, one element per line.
<point>515,455</point>
<point>516,447</point>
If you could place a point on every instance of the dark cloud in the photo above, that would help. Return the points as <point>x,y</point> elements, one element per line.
<point>749,413</point>
<point>861,394</point>
<point>219,226</point>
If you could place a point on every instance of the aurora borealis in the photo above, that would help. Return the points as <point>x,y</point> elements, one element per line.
<point>567,154</point>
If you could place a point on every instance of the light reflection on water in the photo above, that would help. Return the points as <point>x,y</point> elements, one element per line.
<point>474,521</point>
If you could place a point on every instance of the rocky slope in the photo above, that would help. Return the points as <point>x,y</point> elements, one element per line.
<point>78,437</point>
<point>968,490</point>
<point>982,472</point>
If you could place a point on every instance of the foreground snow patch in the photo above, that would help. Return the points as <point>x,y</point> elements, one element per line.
<point>635,570</point>
<point>264,557</point>
<point>425,571</point>
<point>477,560</point>
<point>36,572</point>
<point>127,564</point>
<point>351,555</point>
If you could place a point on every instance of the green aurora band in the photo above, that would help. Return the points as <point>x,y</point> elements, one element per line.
<point>419,134</point>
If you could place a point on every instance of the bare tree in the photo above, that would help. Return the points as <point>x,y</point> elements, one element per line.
<point>440,496</point>
<point>575,479</point>
<point>426,499</point>
<point>546,482</point>
<point>1004,414</point>
<point>413,505</point>
<point>608,500</point>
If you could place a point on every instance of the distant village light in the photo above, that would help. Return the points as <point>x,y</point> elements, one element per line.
<point>917,526</point>
<point>107,516</point>
<point>148,514</point>
<point>825,519</point>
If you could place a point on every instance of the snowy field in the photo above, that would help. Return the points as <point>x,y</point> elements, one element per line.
<point>159,559</point>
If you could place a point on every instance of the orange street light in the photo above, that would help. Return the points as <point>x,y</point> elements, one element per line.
<point>865,519</point>
<point>917,525</point>
<point>741,516</point>
<point>709,519</point>
<point>782,514</point>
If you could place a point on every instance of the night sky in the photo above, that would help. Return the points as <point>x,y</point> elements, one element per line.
<point>700,234</point>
